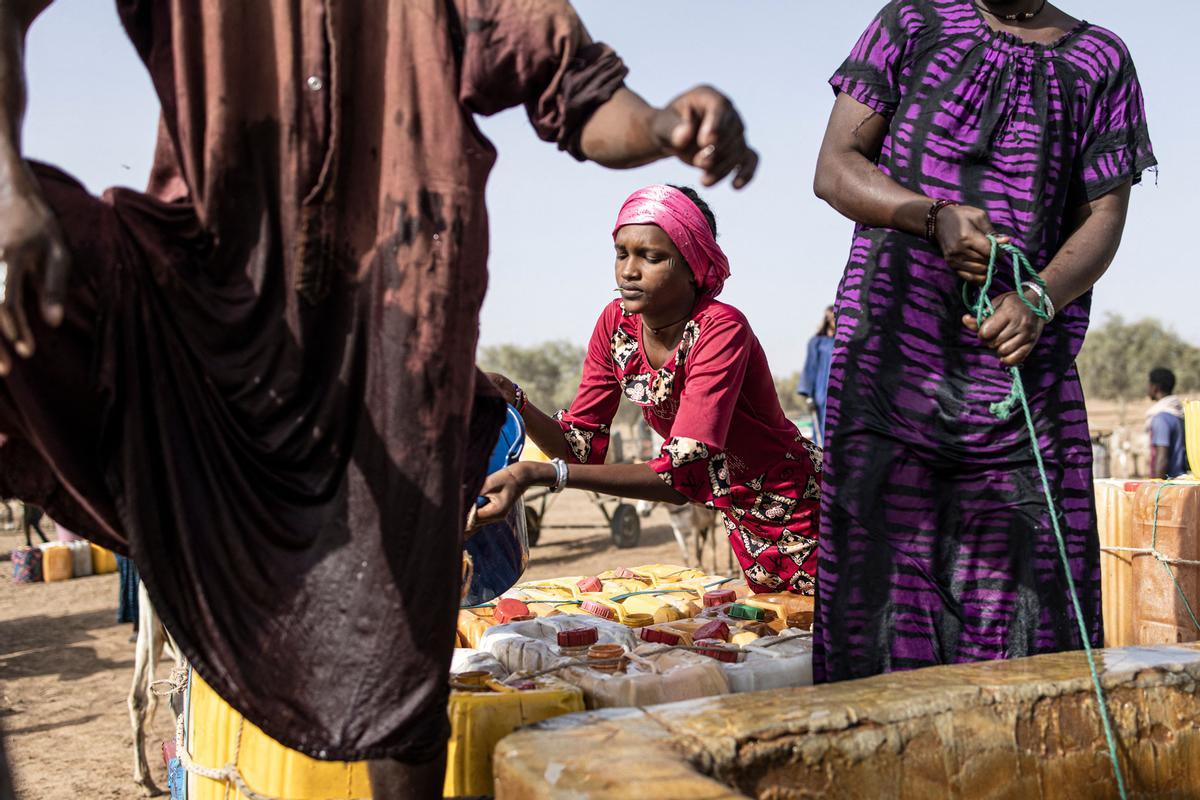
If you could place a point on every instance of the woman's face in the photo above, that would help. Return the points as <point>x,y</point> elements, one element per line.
<point>652,275</point>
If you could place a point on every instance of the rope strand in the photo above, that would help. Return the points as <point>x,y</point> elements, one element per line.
<point>983,308</point>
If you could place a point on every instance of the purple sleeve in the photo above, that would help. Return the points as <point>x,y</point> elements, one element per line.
<point>1115,147</point>
<point>872,73</point>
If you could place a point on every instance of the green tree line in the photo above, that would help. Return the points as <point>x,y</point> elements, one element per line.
<point>1117,357</point>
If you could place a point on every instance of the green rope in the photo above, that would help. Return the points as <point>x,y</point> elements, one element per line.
<point>618,598</point>
<point>1162,559</point>
<point>983,308</point>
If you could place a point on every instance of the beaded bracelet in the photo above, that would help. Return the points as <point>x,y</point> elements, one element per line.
<point>932,217</point>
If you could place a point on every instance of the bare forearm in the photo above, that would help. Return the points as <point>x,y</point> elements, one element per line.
<point>1158,461</point>
<point>634,481</point>
<point>848,179</point>
<point>625,132</point>
<point>12,90</point>
<point>858,189</point>
<point>545,432</point>
<point>1089,251</point>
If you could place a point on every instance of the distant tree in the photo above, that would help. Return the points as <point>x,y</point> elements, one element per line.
<point>1118,355</point>
<point>785,387</point>
<point>549,372</point>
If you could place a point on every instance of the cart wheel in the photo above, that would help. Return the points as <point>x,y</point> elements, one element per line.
<point>533,526</point>
<point>626,526</point>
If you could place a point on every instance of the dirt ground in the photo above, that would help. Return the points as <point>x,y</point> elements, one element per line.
<point>66,666</point>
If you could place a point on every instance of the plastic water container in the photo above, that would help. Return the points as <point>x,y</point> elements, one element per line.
<point>1191,435</point>
<point>466,659</point>
<point>533,644</point>
<point>216,735</point>
<point>790,610</point>
<point>777,662</point>
<point>479,720</point>
<point>81,558</point>
<point>662,574</point>
<point>652,676</point>
<point>472,623</point>
<point>27,565</point>
<point>666,607</point>
<point>103,561</point>
<point>56,563</point>
<point>1159,615</point>
<point>1114,518</point>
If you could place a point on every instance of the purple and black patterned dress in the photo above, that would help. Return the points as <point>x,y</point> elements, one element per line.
<point>936,545</point>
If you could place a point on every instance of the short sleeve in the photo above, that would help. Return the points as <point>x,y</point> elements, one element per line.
<point>1115,147</point>
<point>535,53</point>
<point>586,423</point>
<point>692,461</point>
<point>872,72</point>
<point>1160,430</point>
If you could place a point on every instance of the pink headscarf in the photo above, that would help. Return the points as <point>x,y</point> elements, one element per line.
<point>671,210</point>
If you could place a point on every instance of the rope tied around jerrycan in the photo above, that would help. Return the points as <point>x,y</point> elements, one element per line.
<point>1162,557</point>
<point>982,307</point>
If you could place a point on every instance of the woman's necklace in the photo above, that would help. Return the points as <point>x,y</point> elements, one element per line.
<point>1022,16</point>
<point>659,330</point>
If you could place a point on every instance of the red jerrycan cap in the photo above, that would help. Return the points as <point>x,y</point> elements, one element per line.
<point>598,609</point>
<point>590,584</point>
<point>719,597</point>
<point>509,610</point>
<point>578,637</point>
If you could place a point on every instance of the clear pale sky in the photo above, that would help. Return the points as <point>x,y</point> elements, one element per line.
<point>92,112</point>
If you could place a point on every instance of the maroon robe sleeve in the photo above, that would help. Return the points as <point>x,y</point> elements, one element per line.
<point>535,53</point>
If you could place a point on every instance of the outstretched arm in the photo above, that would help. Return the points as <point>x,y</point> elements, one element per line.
<point>700,126</point>
<point>32,253</point>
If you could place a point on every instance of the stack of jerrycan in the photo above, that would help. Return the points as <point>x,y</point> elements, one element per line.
<point>1114,518</point>
<point>482,710</point>
<point>1166,517</point>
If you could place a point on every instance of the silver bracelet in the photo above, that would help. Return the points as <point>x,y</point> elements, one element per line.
<point>1041,292</point>
<point>560,475</point>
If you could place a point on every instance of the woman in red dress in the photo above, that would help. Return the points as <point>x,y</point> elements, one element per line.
<point>701,378</point>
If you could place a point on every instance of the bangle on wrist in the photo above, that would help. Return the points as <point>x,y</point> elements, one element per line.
<point>932,217</point>
<point>560,475</point>
<point>1041,292</point>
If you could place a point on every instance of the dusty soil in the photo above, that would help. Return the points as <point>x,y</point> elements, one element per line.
<point>66,666</point>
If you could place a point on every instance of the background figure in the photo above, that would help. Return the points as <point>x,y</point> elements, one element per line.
<point>814,381</point>
<point>31,521</point>
<point>1164,421</point>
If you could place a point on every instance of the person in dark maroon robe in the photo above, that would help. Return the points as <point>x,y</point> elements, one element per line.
<point>257,376</point>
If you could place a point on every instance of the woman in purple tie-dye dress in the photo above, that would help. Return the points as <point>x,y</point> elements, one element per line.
<point>936,545</point>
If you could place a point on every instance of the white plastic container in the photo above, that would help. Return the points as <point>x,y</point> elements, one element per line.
<point>775,662</point>
<point>81,557</point>
<point>532,645</point>
<point>664,677</point>
<point>467,660</point>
